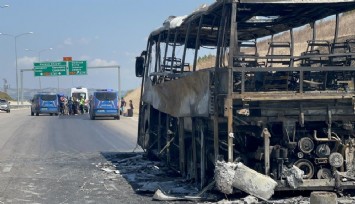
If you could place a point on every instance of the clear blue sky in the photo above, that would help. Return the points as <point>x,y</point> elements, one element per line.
<point>103,32</point>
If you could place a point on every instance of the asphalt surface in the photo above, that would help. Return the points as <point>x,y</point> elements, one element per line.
<point>55,159</point>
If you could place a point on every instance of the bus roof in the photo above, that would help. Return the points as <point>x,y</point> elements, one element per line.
<point>256,18</point>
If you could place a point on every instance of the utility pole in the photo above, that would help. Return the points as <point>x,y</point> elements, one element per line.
<point>6,85</point>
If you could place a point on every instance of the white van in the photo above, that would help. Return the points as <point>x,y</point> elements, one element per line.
<point>81,92</point>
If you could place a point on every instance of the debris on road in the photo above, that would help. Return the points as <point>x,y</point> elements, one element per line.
<point>159,195</point>
<point>153,177</point>
<point>237,175</point>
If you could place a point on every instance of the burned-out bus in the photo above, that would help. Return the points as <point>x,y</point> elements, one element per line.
<point>278,96</point>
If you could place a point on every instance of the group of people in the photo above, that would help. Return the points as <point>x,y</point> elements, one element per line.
<point>123,105</point>
<point>71,105</point>
<point>75,106</point>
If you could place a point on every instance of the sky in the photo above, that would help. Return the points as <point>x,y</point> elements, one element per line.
<point>102,32</point>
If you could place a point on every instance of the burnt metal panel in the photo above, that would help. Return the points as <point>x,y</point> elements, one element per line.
<point>189,98</point>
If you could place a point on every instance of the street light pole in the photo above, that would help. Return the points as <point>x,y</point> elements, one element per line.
<point>15,39</point>
<point>39,60</point>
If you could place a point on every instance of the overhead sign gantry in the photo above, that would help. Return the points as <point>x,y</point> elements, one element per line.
<point>61,68</point>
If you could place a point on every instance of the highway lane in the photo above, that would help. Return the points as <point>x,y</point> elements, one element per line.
<point>22,134</point>
<point>53,159</point>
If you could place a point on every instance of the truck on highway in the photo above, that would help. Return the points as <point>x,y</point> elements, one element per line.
<point>279,111</point>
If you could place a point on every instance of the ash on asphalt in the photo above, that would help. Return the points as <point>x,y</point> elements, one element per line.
<point>147,176</point>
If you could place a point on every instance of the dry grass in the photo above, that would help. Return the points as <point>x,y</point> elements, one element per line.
<point>133,95</point>
<point>325,31</point>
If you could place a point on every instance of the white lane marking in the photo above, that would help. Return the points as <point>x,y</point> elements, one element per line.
<point>7,168</point>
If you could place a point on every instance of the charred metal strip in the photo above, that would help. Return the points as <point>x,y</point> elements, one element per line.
<point>185,47</point>
<point>220,37</point>
<point>167,146</point>
<point>173,52</point>
<point>216,135</point>
<point>315,184</point>
<point>197,43</point>
<point>289,96</point>
<point>233,46</point>
<point>336,29</point>
<point>314,33</point>
<point>329,123</point>
<point>159,131</point>
<point>194,152</point>
<point>292,47</point>
<point>182,147</point>
<point>157,53</point>
<point>202,153</point>
<point>168,139</point>
<point>166,47</point>
<point>266,135</point>
<point>298,69</point>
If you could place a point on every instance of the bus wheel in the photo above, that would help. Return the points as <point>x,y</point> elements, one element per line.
<point>51,114</point>
<point>32,113</point>
<point>37,114</point>
<point>92,117</point>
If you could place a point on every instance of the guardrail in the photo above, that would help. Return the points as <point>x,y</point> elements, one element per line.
<point>20,106</point>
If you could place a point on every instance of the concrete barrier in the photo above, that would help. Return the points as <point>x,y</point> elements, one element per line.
<point>323,197</point>
<point>21,105</point>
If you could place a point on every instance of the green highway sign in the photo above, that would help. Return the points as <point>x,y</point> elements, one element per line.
<point>77,68</point>
<point>50,68</point>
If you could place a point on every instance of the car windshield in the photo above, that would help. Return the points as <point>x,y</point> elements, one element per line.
<point>49,97</point>
<point>3,101</point>
<point>106,96</point>
<point>79,95</point>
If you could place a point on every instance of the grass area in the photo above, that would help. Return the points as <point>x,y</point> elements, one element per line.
<point>4,95</point>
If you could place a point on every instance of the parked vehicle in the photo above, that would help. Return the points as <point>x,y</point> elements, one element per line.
<point>104,103</point>
<point>275,111</point>
<point>5,105</point>
<point>45,103</point>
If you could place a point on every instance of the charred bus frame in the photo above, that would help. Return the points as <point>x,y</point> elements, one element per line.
<point>270,111</point>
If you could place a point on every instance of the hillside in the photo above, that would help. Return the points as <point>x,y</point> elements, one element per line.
<point>325,31</point>
<point>133,95</point>
<point>5,96</point>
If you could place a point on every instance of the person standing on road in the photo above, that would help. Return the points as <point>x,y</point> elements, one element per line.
<point>130,104</point>
<point>61,104</point>
<point>70,106</point>
<point>75,106</point>
<point>123,104</point>
<point>130,110</point>
<point>82,103</point>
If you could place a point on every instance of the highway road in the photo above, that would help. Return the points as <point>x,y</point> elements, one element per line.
<point>55,159</point>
